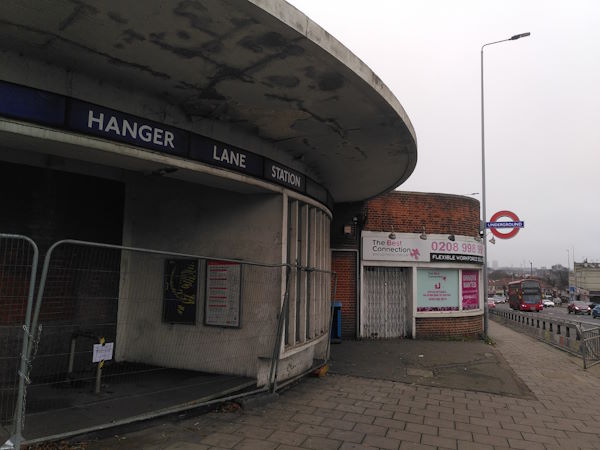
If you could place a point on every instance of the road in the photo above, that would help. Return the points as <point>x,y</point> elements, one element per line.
<point>560,312</point>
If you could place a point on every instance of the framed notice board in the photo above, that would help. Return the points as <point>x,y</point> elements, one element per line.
<point>180,288</point>
<point>222,306</point>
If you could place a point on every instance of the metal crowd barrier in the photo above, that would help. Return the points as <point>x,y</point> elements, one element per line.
<point>115,331</point>
<point>590,348</point>
<point>18,266</point>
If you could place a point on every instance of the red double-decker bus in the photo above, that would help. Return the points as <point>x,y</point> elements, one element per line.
<point>525,295</point>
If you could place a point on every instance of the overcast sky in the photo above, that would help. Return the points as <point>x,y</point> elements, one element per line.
<point>542,107</point>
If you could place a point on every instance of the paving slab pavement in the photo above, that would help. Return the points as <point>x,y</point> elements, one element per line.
<point>353,412</point>
<point>472,365</point>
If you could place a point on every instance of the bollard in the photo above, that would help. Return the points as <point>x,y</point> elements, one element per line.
<point>98,377</point>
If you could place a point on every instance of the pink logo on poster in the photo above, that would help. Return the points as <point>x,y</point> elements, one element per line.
<point>414,253</point>
<point>470,289</point>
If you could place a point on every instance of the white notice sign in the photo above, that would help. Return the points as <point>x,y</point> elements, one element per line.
<point>223,285</point>
<point>103,352</point>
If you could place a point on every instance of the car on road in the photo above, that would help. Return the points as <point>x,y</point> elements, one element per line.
<point>578,307</point>
<point>491,303</point>
<point>548,303</point>
<point>596,311</point>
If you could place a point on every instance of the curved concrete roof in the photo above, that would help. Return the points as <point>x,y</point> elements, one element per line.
<point>259,65</point>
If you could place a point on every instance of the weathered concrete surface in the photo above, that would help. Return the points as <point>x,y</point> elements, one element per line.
<point>257,74</point>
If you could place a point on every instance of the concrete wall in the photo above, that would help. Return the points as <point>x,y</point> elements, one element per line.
<point>175,216</point>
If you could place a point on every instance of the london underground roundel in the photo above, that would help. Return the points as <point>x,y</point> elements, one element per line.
<point>515,224</point>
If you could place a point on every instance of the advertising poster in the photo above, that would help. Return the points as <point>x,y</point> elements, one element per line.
<point>179,291</point>
<point>411,247</point>
<point>470,289</point>
<point>223,286</point>
<point>437,290</point>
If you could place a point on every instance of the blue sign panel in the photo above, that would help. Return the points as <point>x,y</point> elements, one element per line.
<point>219,154</point>
<point>117,126</point>
<point>30,104</point>
<point>33,105</point>
<point>316,191</point>
<point>284,175</point>
<point>520,224</point>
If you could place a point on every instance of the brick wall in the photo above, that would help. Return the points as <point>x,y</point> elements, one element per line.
<point>344,264</point>
<point>410,212</point>
<point>449,327</point>
<point>401,212</point>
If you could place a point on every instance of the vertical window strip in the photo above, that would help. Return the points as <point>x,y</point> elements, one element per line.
<point>290,233</point>
<point>302,275</point>
<point>309,291</point>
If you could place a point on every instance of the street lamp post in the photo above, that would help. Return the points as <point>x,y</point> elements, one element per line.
<point>569,274</point>
<point>485,263</point>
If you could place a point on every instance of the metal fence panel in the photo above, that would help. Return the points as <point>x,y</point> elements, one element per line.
<point>184,330</point>
<point>18,264</point>
<point>590,347</point>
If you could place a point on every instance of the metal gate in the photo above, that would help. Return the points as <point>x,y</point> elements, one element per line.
<point>386,299</point>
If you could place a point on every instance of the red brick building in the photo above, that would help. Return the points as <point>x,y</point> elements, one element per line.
<point>409,265</point>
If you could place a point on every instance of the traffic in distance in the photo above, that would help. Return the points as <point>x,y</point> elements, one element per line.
<point>526,295</point>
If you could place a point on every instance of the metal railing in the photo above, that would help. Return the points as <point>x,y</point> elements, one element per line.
<point>568,335</point>
<point>590,346</point>
<point>132,333</point>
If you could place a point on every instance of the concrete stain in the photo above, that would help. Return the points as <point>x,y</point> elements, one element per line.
<point>81,9</point>
<point>283,81</point>
<point>116,17</point>
<point>330,81</point>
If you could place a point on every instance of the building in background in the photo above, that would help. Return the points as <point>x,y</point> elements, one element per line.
<point>586,280</point>
<point>409,264</point>
<point>226,129</point>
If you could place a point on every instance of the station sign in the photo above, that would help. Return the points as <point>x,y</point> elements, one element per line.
<point>122,127</point>
<point>515,224</point>
<point>59,111</point>
<point>285,176</point>
<point>220,154</point>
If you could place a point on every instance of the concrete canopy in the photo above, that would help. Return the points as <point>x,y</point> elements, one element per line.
<point>259,65</point>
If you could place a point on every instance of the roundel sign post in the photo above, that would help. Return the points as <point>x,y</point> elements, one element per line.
<point>514,224</point>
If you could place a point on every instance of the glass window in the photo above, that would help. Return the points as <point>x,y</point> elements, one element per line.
<point>437,290</point>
